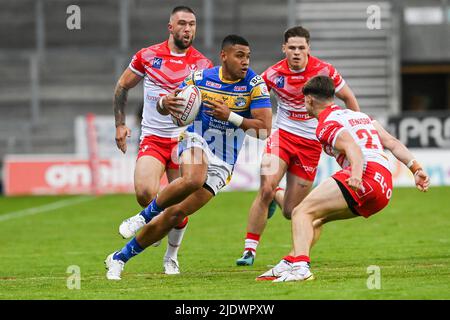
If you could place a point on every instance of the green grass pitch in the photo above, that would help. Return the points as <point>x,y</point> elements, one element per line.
<point>409,241</point>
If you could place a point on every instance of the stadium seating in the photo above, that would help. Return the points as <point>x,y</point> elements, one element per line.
<point>79,69</point>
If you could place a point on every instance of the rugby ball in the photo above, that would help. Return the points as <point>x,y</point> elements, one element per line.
<point>192,101</point>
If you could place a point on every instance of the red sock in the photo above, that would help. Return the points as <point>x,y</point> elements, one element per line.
<point>182,224</point>
<point>293,259</point>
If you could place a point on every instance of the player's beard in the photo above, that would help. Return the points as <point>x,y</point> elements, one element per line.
<point>180,44</point>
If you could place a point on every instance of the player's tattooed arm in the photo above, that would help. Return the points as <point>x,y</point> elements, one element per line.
<point>127,81</point>
<point>119,103</point>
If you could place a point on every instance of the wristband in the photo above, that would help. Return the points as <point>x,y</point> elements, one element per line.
<point>411,163</point>
<point>235,119</point>
<point>414,166</point>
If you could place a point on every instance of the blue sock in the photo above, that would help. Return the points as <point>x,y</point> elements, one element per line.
<point>151,211</point>
<point>130,250</point>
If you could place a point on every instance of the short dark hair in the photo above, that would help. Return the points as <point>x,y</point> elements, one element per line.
<point>320,87</point>
<point>297,31</point>
<point>232,39</point>
<point>182,8</point>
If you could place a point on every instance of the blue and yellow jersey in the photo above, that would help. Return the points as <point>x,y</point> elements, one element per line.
<point>224,138</point>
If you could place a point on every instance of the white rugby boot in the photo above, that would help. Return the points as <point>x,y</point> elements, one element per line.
<point>276,271</point>
<point>114,267</point>
<point>129,227</point>
<point>171,266</point>
<point>299,272</point>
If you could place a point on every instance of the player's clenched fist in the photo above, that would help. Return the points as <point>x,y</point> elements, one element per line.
<point>122,133</point>
<point>422,180</point>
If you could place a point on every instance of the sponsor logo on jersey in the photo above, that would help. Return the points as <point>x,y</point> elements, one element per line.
<point>240,102</point>
<point>213,84</point>
<point>264,90</point>
<point>309,169</point>
<point>176,61</point>
<point>157,62</point>
<point>279,81</point>
<point>255,80</point>
<point>198,75</point>
<point>355,122</point>
<point>299,115</point>
<point>152,97</point>
<point>240,88</point>
<point>323,130</point>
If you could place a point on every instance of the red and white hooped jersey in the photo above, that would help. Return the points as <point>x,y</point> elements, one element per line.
<point>333,120</point>
<point>163,72</point>
<point>287,85</point>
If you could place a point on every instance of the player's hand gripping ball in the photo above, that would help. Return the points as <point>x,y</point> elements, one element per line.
<point>191,106</point>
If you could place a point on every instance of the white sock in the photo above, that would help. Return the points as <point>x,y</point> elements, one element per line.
<point>251,245</point>
<point>174,239</point>
<point>251,242</point>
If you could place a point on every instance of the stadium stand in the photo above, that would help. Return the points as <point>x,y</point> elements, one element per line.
<point>76,70</point>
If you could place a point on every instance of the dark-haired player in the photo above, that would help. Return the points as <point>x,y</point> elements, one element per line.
<point>362,188</point>
<point>163,67</point>
<point>235,101</point>
<point>293,148</point>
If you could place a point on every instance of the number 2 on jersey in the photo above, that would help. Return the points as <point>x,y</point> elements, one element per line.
<point>363,133</point>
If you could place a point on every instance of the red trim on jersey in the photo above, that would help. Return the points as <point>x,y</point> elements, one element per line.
<point>326,112</point>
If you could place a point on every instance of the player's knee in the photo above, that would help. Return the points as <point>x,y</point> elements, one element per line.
<point>193,183</point>
<point>144,196</point>
<point>302,211</point>
<point>267,193</point>
<point>178,215</point>
<point>318,223</point>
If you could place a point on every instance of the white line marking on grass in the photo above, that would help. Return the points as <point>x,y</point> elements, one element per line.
<point>45,208</point>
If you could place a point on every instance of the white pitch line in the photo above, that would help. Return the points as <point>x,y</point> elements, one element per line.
<point>44,208</point>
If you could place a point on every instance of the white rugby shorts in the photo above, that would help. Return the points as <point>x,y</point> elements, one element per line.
<point>219,172</point>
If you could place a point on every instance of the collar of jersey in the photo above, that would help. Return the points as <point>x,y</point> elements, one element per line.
<point>296,71</point>
<point>226,81</point>
<point>325,112</point>
<point>174,53</point>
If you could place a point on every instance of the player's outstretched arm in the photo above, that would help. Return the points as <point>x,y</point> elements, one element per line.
<point>346,94</point>
<point>127,80</point>
<point>345,143</point>
<point>401,152</point>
